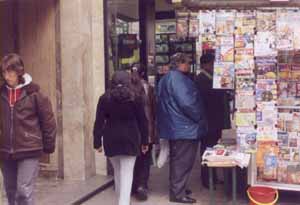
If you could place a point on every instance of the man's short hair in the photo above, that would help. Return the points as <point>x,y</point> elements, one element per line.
<point>207,58</point>
<point>179,58</point>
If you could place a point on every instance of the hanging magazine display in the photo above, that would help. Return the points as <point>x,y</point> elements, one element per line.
<point>257,53</point>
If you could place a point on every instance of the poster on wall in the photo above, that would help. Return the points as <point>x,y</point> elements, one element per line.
<point>223,77</point>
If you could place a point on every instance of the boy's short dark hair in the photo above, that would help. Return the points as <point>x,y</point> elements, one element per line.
<point>207,58</point>
<point>12,62</point>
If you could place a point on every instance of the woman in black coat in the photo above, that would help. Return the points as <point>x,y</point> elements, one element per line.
<point>121,121</point>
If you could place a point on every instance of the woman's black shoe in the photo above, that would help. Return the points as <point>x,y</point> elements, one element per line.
<point>141,194</point>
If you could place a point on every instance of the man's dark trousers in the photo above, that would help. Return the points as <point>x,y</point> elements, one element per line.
<point>142,170</point>
<point>182,157</point>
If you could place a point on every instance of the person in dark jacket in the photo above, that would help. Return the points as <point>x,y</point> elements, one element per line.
<point>143,162</point>
<point>28,130</point>
<point>181,120</point>
<point>121,121</point>
<point>216,106</point>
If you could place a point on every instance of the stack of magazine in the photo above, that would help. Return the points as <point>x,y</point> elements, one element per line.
<point>225,157</point>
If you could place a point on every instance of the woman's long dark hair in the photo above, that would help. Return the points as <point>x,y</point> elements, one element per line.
<point>121,88</point>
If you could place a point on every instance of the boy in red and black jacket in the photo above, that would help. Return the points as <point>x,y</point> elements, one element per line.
<point>27,127</point>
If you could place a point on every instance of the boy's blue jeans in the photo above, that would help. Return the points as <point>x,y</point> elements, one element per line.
<point>19,178</point>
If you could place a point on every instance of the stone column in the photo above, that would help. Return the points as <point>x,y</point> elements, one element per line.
<point>82,76</point>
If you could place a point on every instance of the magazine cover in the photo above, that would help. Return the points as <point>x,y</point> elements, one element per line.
<point>223,77</point>
<point>266,116</point>
<point>266,68</point>
<point>226,54</point>
<point>282,172</point>
<point>298,91</point>
<point>246,139</point>
<point>244,41</point>
<point>245,83</point>
<point>295,154</point>
<point>294,125</point>
<point>245,102</point>
<point>284,29</point>
<point>283,117</point>
<point>223,40</point>
<point>245,22</point>
<point>295,72</point>
<point>225,22</point>
<point>296,57</point>
<point>266,21</point>
<point>284,154</point>
<point>284,71</point>
<point>293,172</point>
<point>285,56</point>
<point>265,44</point>
<point>245,119</point>
<point>207,21</point>
<point>296,26</point>
<point>288,93</point>
<point>283,139</point>
<point>266,90</point>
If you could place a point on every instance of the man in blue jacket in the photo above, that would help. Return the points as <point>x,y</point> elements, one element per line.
<point>181,120</point>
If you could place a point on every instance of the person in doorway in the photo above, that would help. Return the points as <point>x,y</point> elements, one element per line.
<point>121,121</point>
<point>216,106</point>
<point>28,129</point>
<point>143,161</point>
<point>181,120</point>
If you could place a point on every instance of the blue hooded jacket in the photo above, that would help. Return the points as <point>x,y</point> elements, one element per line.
<point>180,111</point>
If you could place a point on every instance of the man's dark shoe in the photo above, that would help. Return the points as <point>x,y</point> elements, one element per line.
<point>141,194</point>
<point>188,192</point>
<point>184,200</point>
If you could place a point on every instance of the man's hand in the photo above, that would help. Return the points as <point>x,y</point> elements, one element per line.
<point>145,149</point>
<point>99,149</point>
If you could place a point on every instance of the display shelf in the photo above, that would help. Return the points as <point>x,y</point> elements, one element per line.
<point>252,175</point>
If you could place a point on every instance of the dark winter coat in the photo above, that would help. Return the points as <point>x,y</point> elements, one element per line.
<point>28,128</point>
<point>123,126</point>
<point>180,112</point>
<point>215,102</point>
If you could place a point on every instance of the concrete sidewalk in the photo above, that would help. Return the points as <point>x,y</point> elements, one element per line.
<point>158,194</point>
<point>62,192</point>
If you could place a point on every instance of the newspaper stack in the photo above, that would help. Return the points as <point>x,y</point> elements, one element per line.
<point>225,157</point>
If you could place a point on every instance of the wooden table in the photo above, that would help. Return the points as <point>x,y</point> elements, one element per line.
<point>227,165</point>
